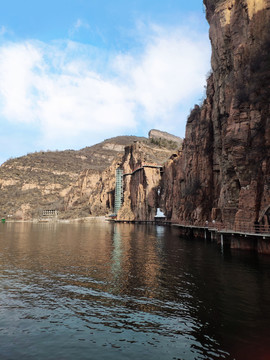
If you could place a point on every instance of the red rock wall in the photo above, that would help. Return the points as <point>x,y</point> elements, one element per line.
<point>140,198</point>
<point>223,172</point>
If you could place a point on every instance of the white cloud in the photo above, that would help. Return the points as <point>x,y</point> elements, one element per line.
<point>170,71</point>
<point>18,65</point>
<point>79,24</point>
<point>3,30</point>
<point>59,87</point>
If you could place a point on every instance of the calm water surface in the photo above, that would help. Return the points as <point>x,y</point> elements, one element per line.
<point>103,291</point>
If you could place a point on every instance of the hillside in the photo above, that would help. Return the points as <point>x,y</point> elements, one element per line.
<point>94,193</point>
<point>43,180</point>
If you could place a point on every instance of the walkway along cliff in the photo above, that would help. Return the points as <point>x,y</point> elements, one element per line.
<point>223,172</point>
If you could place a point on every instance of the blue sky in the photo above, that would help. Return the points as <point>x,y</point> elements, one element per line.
<point>74,72</point>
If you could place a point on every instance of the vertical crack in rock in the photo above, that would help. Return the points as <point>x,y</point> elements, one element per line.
<point>223,172</point>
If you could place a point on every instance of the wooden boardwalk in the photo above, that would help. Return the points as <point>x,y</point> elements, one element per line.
<point>149,222</point>
<point>257,230</point>
<point>253,238</point>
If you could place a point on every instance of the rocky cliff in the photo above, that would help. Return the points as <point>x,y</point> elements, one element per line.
<point>42,180</point>
<point>223,170</point>
<point>95,192</point>
<point>162,137</point>
<point>142,168</point>
<point>75,183</point>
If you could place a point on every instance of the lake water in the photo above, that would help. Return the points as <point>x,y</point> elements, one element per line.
<point>105,291</point>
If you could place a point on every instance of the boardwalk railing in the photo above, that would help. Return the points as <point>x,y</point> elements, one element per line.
<point>243,227</point>
<point>250,228</point>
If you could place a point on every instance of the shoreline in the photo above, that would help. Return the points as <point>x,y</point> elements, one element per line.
<point>56,220</point>
<point>259,243</point>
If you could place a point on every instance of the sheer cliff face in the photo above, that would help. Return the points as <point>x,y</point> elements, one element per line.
<point>223,172</point>
<point>140,187</point>
<point>93,193</point>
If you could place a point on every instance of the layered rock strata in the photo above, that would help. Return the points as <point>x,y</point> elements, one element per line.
<point>82,183</point>
<point>43,180</point>
<point>141,180</point>
<point>223,170</point>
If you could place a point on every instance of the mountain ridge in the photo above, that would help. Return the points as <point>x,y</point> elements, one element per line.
<point>43,180</point>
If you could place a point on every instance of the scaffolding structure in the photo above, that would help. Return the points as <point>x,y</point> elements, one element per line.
<point>118,197</point>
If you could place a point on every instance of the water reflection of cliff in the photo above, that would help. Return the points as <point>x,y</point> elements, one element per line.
<point>124,275</point>
<point>219,297</point>
<point>135,261</point>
